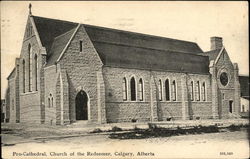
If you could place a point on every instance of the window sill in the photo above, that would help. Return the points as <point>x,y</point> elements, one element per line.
<point>137,101</point>
<point>200,101</point>
<point>26,93</point>
<point>168,101</point>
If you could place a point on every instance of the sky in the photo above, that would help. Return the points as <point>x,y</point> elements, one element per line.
<point>191,21</point>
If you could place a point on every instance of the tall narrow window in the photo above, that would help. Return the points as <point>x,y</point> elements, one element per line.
<point>80,43</point>
<point>174,90</point>
<point>231,106</point>
<point>198,91</point>
<point>192,91</point>
<point>203,91</point>
<point>141,89</point>
<point>30,67</point>
<point>133,90</point>
<point>124,89</point>
<point>160,90</point>
<point>167,90</point>
<point>36,69</point>
<point>49,102</point>
<point>23,76</point>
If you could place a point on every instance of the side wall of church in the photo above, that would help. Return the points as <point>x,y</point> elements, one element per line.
<point>118,110</point>
<point>12,100</point>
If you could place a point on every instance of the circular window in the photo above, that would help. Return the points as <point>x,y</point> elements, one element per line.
<point>224,78</point>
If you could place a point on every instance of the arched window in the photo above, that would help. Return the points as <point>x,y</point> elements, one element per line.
<point>36,73</point>
<point>50,100</point>
<point>141,89</point>
<point>167,90</point>
<point>160,90</point>
<point>133,89</point>
<point>30,67</point>
<point>192,91</point>
<point>203,91</point>
<point>174,90</point>
<point>23,76</point>
<point>124,88</point>
<point>198,91</point>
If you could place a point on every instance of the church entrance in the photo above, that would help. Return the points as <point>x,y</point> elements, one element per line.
<point>81,106</point>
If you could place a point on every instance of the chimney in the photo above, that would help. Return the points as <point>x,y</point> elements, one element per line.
<point>216,43</point>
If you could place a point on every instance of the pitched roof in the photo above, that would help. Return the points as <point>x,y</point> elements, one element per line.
<point>11,75</point>
<point>135,57</point>
<point>48,29</point>
<point>124,49</point>
<point>114,36</point>
<point>211,54</point>
<point>58,45</point>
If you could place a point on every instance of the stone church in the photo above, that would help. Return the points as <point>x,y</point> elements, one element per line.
<point>69,71</point>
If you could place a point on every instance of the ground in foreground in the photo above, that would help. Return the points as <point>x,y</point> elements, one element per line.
<point>213,145</point>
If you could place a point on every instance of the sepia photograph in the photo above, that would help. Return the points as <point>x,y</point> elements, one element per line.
<point>124,79</point>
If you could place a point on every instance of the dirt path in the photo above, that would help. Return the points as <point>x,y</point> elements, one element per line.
<point>218,145</point>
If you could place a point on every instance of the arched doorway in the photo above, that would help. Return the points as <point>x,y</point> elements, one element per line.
<point>81,106</point>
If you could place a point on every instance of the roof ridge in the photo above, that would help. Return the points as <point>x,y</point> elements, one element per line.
<point>64,34</point>
<point>11,72</point>
<point>205,52</point>
<point>243,75</point>
<point>55,19</point>
<point>119,30</point>
<point>143,34</point>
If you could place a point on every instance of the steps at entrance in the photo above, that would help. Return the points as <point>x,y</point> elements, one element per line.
<point>80,123</point>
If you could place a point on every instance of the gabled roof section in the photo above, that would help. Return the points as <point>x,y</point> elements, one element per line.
<point>119,48</point>
<point>11,75</point>
<point>114,36</point>
<point>141,58</point>
<point>48,29</point>
<point>58,46</point>
<point>212,54</point>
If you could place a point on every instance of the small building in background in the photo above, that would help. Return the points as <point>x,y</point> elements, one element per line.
<point>244,95</point>
<point>3,110</point>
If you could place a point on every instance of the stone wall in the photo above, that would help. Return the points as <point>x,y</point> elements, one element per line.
<point>12,101</point>
<point>151,108</point>
<point>30,99</point>
<point>82,68</point>
<point>230,92</point>
<point>50,76</point>
<point>17,92</point>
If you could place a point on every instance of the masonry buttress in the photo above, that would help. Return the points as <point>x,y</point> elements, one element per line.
<point>62,99</point>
